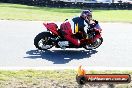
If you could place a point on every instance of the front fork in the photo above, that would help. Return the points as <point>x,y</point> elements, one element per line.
<point>97,36</point>
<point>93,37</point>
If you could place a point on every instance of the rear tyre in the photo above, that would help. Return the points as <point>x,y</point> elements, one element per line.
<point>94,45</point>
<point>43,41</point>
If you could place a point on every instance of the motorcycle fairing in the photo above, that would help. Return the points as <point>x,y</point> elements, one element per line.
<point>98,30</point>
<point>51,27</point>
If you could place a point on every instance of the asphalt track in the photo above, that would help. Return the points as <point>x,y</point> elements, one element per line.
<point>17,48</point>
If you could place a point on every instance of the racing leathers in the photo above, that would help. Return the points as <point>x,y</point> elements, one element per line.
<point>73,26</point>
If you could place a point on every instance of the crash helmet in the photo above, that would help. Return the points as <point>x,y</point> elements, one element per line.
<point>86,14</point>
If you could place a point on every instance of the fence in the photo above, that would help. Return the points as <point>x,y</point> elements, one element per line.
<point>60,4</point>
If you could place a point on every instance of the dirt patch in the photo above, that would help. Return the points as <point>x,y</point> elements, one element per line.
<point>47,83</point>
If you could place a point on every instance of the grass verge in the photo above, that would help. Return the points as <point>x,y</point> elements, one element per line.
<point>24,12</point>
<point>49,79</point>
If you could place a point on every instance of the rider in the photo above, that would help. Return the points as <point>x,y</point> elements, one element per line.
<point>77,24</point>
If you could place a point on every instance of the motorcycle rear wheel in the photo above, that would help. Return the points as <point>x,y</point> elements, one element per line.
<point>42,41</point>
<point>95,45</point>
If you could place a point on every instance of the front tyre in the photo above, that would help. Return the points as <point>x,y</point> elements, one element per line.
<point>94,45</point>
<point>43,41</point>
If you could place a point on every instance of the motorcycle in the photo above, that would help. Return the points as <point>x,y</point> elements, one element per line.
<point>53,37</point>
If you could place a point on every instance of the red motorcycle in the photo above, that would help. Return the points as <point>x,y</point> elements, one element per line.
<point>53,37</point>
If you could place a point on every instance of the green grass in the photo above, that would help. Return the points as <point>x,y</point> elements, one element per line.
<point>35,78</point>
<point>24,12</point>
<point>22,74</point>
<point>113,15</point>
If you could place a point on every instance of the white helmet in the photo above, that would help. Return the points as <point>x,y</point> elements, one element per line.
<point>86,14</point>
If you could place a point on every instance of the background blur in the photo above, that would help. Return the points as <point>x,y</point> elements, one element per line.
<point>97,4</point>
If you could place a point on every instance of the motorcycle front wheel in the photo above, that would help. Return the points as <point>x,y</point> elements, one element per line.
<point>94,45</point>
<point>42,41</point>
